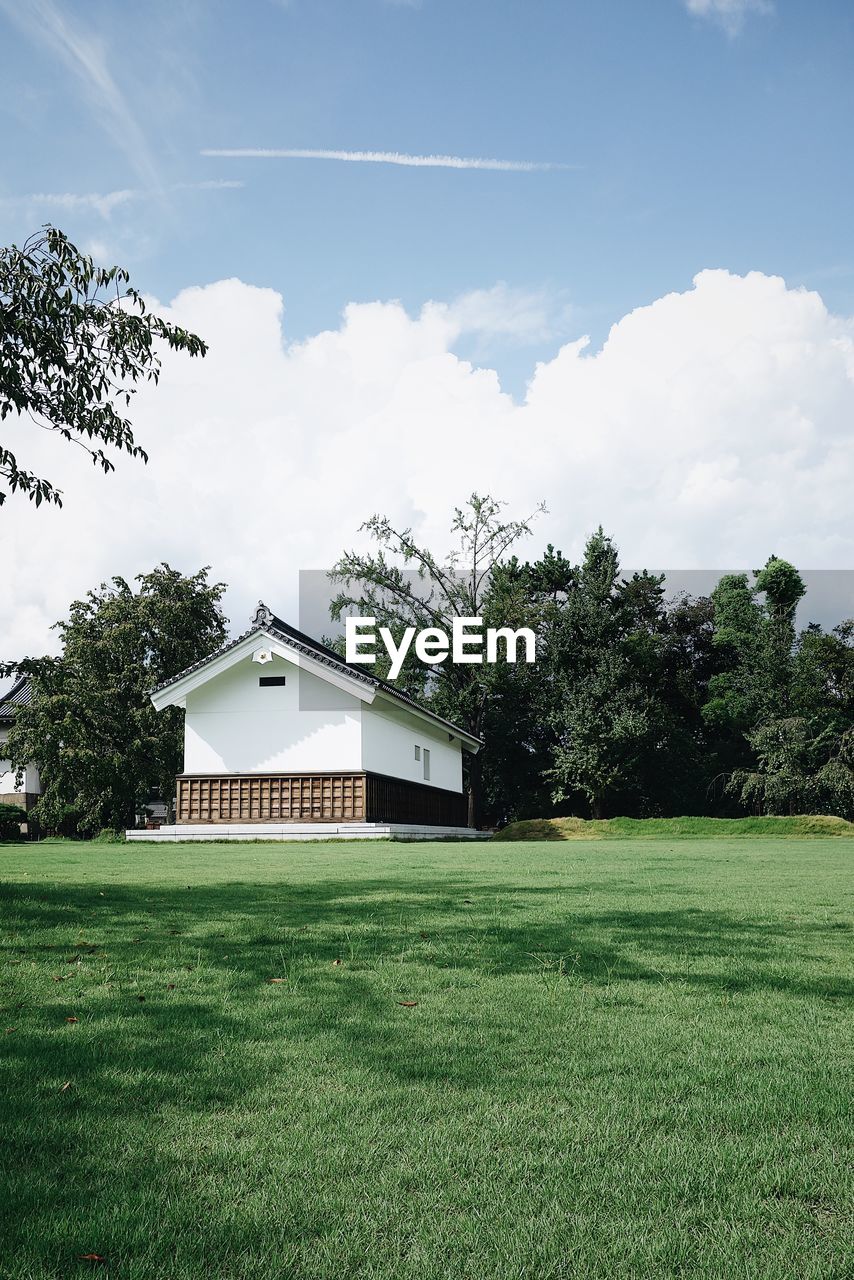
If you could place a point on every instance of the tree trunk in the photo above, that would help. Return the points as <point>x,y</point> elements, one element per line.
<point>597,807</point>
<point>475,795</point>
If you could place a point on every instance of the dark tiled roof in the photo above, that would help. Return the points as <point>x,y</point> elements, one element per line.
<point>20,695</point>
<point>266,621</point>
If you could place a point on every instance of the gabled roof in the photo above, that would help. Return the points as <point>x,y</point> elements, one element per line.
<point>20,695</point>
<point>265,622</point>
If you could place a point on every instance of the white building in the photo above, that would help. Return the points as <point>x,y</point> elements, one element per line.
<point>25,793</point>
<point>283,737</point>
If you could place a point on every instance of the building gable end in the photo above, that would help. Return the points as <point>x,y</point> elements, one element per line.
<point>175,694</point>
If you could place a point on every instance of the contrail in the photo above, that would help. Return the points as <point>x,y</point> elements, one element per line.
<point>383,157</point>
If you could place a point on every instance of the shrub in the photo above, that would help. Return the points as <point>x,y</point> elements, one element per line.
<point>11,817</point>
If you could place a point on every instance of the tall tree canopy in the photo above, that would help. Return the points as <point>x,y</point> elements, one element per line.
<point>625,680</point>
<point>75,339</point>
<point>91,729</point>
<point>802,747</point>
<point>404,584</point>
<point>602,715</point>
<point>637,704</point>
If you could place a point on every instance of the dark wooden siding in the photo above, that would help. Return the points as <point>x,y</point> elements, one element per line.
<point>394,800</point>
<point>315,797</point>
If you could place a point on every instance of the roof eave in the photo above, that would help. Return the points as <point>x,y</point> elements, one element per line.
<point>175,693</point>
<point>468,740</point>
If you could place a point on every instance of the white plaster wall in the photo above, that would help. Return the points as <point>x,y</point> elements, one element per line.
<point>31,783</point>
<point>233,725</point>
<point>389,738</point>
<point>7,777</point>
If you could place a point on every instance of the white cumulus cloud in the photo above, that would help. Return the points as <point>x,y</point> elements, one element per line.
<point>714,427</point>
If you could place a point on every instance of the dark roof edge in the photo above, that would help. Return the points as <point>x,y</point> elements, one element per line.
<point>18,696</point>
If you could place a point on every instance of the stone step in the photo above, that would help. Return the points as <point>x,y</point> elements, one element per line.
<point>287,831</point>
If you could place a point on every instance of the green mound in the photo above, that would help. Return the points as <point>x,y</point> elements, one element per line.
<point>624,828</point>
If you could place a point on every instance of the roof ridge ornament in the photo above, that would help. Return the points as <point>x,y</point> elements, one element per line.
<point>263,615</point>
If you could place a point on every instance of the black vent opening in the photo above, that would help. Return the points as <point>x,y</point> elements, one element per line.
<point>267,681</point>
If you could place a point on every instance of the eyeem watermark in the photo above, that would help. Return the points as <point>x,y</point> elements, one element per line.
<point>468,643</point>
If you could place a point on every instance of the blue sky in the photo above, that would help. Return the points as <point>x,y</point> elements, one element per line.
<point>679,190</point>
<point>691,141</point>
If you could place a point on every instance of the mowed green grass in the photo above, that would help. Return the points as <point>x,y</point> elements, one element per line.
<point>604,1059</point>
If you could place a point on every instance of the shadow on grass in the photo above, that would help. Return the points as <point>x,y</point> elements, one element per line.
<point>348,954</point>
<point>251,930</point>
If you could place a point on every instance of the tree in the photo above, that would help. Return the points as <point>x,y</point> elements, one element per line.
<point>75,339</point>
<point>11,818</point>
<point>783,777</point>
<point>737,690</point>
<point>804,761</point>
<point>783,704</point>
<point>516,726</point>
<point>754,640</point>
<point>604,724</point>
<point>783,588</point>
<point>404,584</point>
<point>602,712</point>
<point>91,729</point>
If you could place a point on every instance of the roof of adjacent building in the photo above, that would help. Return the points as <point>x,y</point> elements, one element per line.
<point>20,695</point>
<point>267,623</point>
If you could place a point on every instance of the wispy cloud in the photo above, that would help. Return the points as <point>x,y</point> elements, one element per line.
<point>99,202</point>
<point>383,157</point>
<point>508,315</point>
<point>729,14</point>
<point>85,56</point>
<point>104,203</point>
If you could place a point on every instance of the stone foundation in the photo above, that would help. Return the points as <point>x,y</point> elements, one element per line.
<point>286,831</point>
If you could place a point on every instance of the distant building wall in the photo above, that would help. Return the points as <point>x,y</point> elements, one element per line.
<point>30,787</point>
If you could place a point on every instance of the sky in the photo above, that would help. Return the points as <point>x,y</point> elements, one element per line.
<point>597,255</point>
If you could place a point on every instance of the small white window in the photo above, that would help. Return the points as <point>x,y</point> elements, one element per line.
<point>417,753</point>
<point>426,764</point>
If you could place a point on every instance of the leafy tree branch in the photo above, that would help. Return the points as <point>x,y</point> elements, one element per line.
<point>75,342</point>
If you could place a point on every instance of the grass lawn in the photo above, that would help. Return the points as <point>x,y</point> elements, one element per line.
<point>572,1059</point>
<point>674,828</point>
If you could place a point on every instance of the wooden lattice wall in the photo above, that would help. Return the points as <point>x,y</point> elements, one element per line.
<point>303,797</point>
<point>315,797</point>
